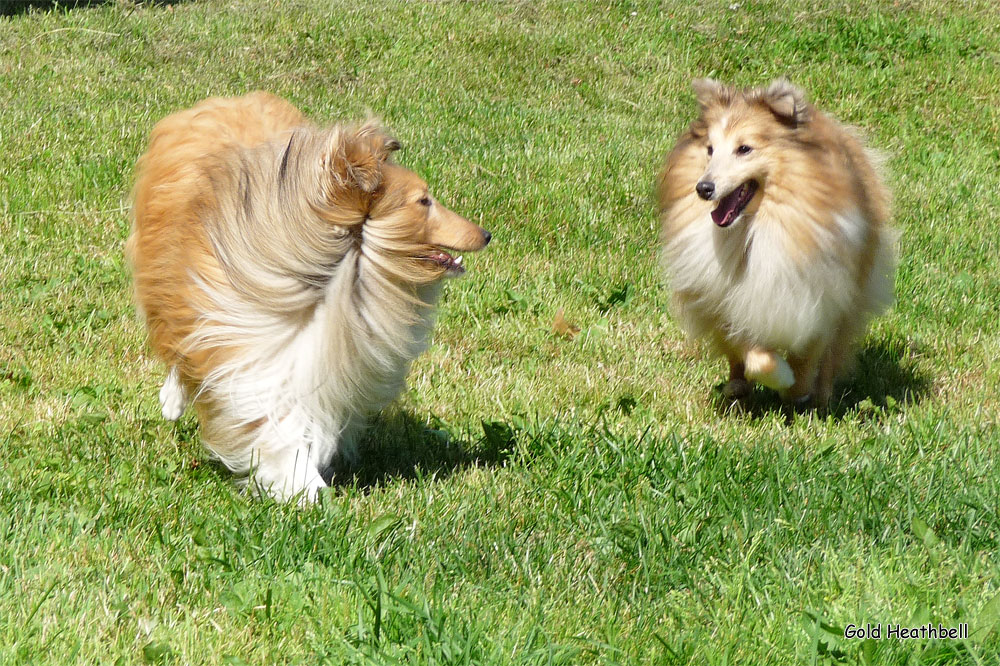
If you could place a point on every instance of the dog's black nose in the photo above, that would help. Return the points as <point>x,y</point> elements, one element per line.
<point>487,237</point>
<point>705,190</point>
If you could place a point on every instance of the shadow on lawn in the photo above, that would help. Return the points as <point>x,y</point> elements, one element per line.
<point>885,378</point>
<point>396,446</point>
<point>399,446</point>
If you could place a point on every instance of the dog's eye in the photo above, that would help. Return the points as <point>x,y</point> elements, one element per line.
<point>743,150</point>
<point>426,201</point>
<point>710,151</point>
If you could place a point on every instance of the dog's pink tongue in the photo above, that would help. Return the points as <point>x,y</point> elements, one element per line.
<point>727,206</point>
<point>442,258</point>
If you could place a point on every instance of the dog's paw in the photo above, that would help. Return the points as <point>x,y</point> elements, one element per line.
<point>736,389</point>
<point>310,493</point>
<point>768,368</point>
<point>173,401</point>
<point>301,486</point>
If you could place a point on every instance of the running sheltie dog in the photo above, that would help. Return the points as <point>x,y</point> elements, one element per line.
<point>287,276</point>
<point>775,238</point>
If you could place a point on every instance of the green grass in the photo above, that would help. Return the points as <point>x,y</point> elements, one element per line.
<point>533,499</point>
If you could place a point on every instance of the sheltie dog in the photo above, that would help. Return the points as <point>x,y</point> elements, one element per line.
<point>287,276</point>
<point>775,238</point>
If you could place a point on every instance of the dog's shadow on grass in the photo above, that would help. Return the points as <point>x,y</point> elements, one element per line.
<point>885,378</point>
<point>398,445</point>
<point>395,446</point>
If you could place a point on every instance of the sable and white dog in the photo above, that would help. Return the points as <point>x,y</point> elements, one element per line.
<point>287,275</point>
<point>775,237</point>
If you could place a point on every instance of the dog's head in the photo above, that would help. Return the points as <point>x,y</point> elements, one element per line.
<point>401,225</point>
<point>741,133</point>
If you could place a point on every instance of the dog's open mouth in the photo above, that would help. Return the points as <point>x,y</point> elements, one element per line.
<point>451,265</point>
<point>731,205</point>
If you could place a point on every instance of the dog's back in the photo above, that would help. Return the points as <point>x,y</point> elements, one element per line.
<point>171,192</point>
<point>215,124</point>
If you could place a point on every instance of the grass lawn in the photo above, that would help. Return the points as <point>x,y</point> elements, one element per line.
<point>533,498</point>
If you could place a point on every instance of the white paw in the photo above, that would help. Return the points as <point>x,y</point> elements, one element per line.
<point>289,484</point>
<point>770,369</point>
<point>310,493</point>
<point>172,397</point>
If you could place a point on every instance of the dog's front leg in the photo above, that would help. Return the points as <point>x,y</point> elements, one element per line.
<point>805,368</point>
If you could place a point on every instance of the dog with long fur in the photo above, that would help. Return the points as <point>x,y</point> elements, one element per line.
<point>288,276</point>
<point>775,237</point>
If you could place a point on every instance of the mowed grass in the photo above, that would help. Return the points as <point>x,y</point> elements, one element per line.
<point>534,498</point>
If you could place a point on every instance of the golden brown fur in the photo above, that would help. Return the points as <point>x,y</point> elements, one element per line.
<point>802,266</point>
<point>287,276</point>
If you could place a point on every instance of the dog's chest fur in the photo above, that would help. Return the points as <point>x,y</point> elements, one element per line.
<point>758,283</point>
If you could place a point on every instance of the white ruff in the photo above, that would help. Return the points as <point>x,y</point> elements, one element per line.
<point>747,277</point>
<point>299,389</point>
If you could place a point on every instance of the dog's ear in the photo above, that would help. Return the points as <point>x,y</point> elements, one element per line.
<point>355,156</point>
<point>366,152</point>
<point>786,101</point>
<point>709,92</point>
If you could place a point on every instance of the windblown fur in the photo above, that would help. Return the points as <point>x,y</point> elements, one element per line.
<point>775,237</point>
<point>287,275</point>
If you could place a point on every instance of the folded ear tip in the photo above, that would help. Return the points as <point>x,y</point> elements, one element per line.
<point>358,153</point>
<point>381,141</point>
<point>709,91</point>
<point>785,99</point>
<point>705,84</point>
<point>783,86</point>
